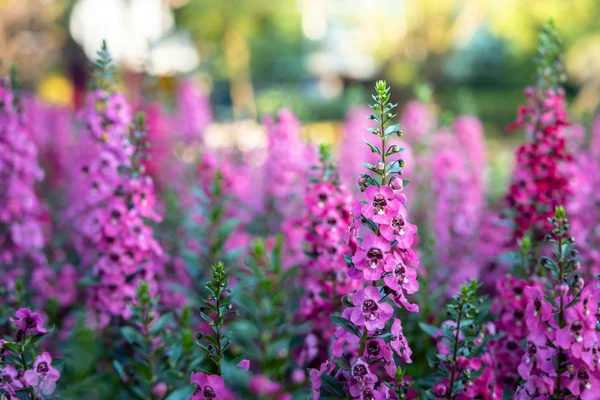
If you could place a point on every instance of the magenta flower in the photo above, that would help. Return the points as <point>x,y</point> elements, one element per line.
<point>244,364</point>
<point>209,387</point>
<point>399,342</point>
<point>400,229</point>
<point>43,376</point>
<point>381,205</point>
<point>368,311</point>
<point>29,322</point>
<point>370,257</point>
<point>576,335</point>
<point>538,312</point>
<point>401,277</point>
<point>584,384</point>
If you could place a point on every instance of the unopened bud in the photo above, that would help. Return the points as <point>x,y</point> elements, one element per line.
<point>396,184</point>
<point>380,166</point>
<point>578,284</point>
<point>562,289</point>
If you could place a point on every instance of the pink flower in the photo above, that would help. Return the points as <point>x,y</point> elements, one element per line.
<point>401,277</point>
<point>43,376</point>
<point>209,387</point>
<point>370,256</point>
<point>399,229</point>
<point>576,336</point>
<point>244,364</point>
<point>262,386</point>
<point>29,322</point>
<point>381,205</point>
<point>361,372</point>
<point>368,311</point>
<point>399,342</point>
<point>584,384</point>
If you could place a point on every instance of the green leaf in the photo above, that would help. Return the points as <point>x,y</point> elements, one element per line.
<point>346,324</point>
<point>332,388</point>
<point>373,148</point>
<point>392,129</point>
<point>431,330</point>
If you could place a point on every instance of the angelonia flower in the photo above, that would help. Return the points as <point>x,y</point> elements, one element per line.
<point>284,174</point>
<point>112,197</point>
<point>194,111</point>
<point>418,119</point>
<point>383,263</point>
<point>541,178</point>
<point>17,372</point>
<point>561,355</point>
<point>51,128</point>
<point>463,368</point>
<point>458,168</point>
<point>511,300</point>
<point>584,204</point>
<point>22,237</point>
<point>323,277</point>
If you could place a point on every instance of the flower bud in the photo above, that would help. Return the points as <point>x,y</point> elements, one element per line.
<point>380,166</point>
<point>578,284</point>
<point>562,289</point>
<point>439,389</point>
<point>396,183</point>
<point>362,182</point>
<point>159,390</point>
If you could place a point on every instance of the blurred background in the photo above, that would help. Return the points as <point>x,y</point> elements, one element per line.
<point>317,57</point>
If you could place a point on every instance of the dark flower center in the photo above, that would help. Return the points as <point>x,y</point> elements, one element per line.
<point>369,308</point>
<point>42,368</point>
<point>379,203</point>
<point>373,348</point>
<point>576,328</point>
<point>209,393</point>
<point>359,371</point>
<point>398,222</point>
<point>399,271</point>
<point>375,255</point>
<point>583,375</point>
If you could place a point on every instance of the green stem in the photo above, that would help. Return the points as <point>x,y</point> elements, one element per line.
<point>455,352</point>
<point>561,310</point>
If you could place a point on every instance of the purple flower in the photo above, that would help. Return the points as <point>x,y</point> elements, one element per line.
<point>382,205</point>
<point>368,311</point>
<point>29,322</point>
<point>370,257</point>
<point>209,387</point>
<point>43,376</point>
<point>399,342</point>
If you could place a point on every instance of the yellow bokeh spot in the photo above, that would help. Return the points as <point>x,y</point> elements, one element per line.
<point>56,89</point>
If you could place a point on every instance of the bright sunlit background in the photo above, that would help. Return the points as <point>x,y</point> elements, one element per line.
<point>316,57</point>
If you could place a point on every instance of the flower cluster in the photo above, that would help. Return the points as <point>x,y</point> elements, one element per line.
<point>463,368</point>
<point>323,277</point>
<point>561,356</point>
<point>458,165</point>
<point>285,168</point>
<point>541,178</point>
<point>214,341</point>
<point>21,212</point>
<point>363,363</point>
<point>112,199</point>
<point>22,370</point>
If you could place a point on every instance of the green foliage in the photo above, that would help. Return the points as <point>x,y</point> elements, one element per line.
<point>268,301</point>
<point>214,311</point>
<point>550,72</point>
<point>464,336</point>
<point>155,353</point>
<point>103,70</point>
